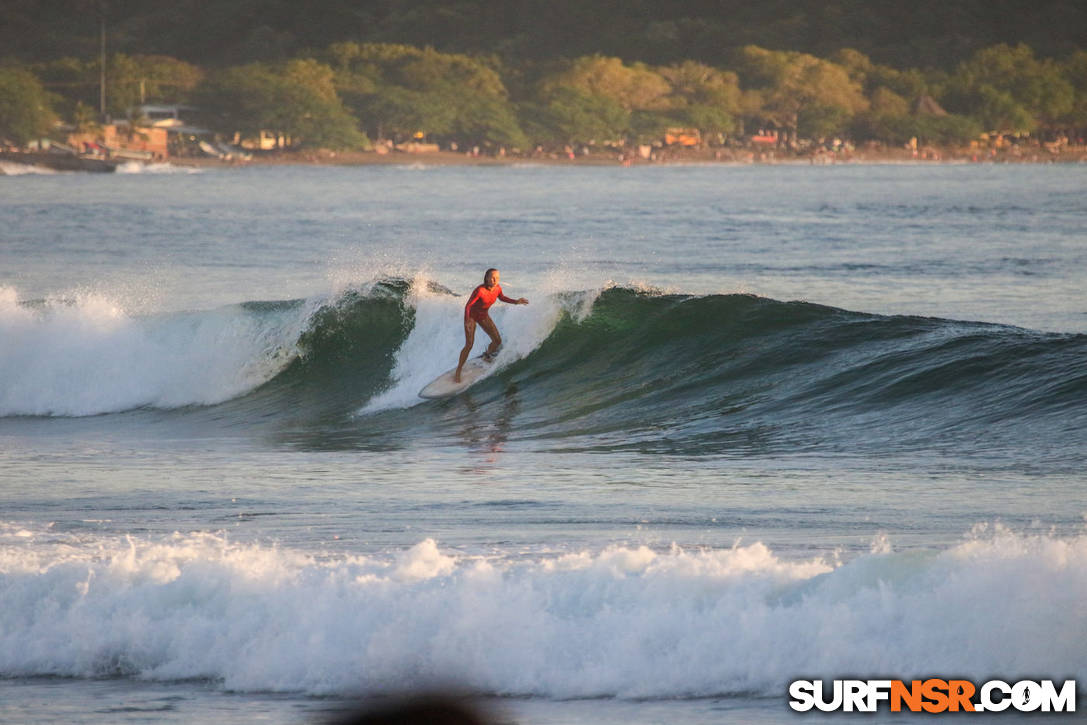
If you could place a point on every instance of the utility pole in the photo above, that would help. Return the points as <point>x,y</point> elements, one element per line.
<point>102,60</point>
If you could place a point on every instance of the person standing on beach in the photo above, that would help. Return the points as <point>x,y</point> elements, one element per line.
<point>476,312</point>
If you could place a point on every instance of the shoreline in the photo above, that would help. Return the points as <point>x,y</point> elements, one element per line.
<point>667,157</point>
<point>662,158</point>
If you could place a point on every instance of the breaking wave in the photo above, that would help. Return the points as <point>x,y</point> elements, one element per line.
<point>608,369</point>
<point>619,622</point>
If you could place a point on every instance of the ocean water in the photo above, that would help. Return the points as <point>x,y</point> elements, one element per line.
<point>756,424</point>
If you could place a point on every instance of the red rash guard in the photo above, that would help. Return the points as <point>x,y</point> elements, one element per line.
<point>481,300</point>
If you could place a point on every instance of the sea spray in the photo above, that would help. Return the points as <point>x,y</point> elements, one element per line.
<point>15,169</point>
<point>437,337</point>
<point>86,355</point>
<point>136,167</point>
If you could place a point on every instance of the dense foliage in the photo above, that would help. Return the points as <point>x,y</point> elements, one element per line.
<point>296,99</point>
<point>25,108</point>
<point>348,92</point>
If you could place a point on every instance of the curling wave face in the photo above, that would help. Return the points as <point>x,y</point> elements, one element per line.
<point>612,369</point>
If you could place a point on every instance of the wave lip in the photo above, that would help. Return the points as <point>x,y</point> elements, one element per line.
<point>621,622</point>
<point>436,337</point>
<point>87,356</point>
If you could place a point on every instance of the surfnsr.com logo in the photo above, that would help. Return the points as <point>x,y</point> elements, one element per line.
<point>932,695</point>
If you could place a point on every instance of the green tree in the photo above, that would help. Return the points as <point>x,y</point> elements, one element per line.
<point>72,80</point>
<point>887,115</point>
<point>1009,90</point>
<point>951,129</point>
<point>788,85</point>
<point>26,110</point>
<point>1074,70</point>
<point>240,99</point>
<point>703,97</point>
<point>415,68</point>
<point>999,111</point>
<point>85,118</point>
<point>570,116</point>
<point>885,102</point>
<point>633,87</point>
<point>399,90</point>
<point>910,84</point>
<point>312,111</point>
<point>492,122</point>
<point>132,80</point>
<point>709,120</point>
<point>651,126</point>
<point>820,122</point>
<point>297,100</point>
<point>398,113</point>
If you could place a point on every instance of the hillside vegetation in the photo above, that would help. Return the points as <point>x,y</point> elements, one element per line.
<point>519,74</point>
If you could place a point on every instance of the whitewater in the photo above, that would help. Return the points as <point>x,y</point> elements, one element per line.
<point>646,624</point>
<point>756,424</point>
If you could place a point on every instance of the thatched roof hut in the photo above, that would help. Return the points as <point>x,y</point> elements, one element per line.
<point>927,106</point>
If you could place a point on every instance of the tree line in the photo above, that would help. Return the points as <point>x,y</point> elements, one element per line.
<point>350,93</point>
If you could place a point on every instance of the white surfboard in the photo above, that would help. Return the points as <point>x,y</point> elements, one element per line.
<point>443,385</point>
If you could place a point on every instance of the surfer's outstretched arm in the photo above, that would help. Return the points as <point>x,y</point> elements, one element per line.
<point>510,300</point>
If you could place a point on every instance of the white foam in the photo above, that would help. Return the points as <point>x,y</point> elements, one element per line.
<point>436,339</point>
<point>625,622</point>
<point>137,167</point>
<point>87,355</point>
<point>15,169</point>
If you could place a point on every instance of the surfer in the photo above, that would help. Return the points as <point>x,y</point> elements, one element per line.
<point>475,312</point>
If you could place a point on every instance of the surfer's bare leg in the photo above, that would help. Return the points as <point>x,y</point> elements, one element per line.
<point>491,329</point>
<point>469,340</point>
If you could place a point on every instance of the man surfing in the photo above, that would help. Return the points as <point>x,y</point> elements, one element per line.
<point>475,312</point>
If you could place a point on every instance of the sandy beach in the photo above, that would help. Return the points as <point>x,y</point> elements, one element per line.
<point>881,155</point>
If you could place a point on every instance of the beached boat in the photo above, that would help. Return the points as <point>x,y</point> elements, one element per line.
<point>62,161</point>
